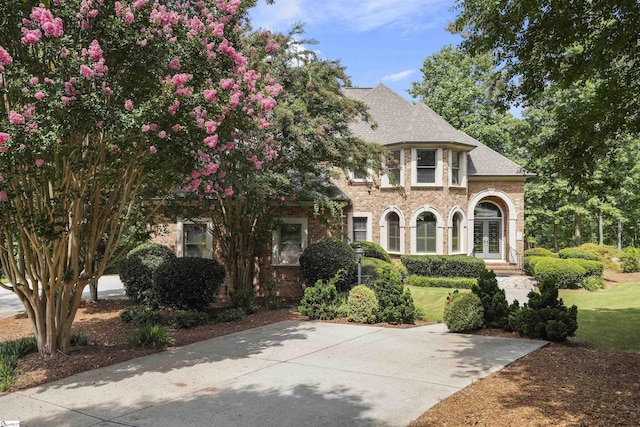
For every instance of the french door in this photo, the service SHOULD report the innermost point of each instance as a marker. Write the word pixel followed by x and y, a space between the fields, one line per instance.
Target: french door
pixel 487 238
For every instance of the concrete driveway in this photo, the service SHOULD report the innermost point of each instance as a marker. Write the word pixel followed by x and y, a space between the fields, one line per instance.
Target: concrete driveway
pixel 285 374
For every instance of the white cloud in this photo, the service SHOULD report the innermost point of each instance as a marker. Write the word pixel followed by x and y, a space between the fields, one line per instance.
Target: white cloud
pixel 351 15
pixel 398 76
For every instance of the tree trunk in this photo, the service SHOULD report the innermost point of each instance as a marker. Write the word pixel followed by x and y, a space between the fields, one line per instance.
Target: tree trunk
pixel 555 237
pixel 578 229
pixel 93 291
pixel 600 231
pixel 619 235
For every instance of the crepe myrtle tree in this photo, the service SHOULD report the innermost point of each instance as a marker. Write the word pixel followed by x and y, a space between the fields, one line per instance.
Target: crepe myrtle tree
pixel 106 107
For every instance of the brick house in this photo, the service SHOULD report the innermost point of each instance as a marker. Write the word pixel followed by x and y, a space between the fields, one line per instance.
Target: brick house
pixel 450 194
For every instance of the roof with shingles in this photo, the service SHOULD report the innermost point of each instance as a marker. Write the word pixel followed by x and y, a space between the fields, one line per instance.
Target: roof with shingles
pixel 400 121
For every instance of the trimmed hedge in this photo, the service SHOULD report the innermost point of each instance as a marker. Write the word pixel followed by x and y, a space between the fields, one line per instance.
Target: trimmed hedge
pixel 463 312
pixel 568 253
pixel 371 268
pixel 530 264
pixel 372 250
pixel 593 268
pixel 443 265
pixel 440 282
pixel 561 273
pixel 188 283
pixel 537 252
pixel 136 270
pixel 323 259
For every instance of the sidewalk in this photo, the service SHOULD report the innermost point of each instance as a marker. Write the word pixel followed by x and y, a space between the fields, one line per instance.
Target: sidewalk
pixel 285 374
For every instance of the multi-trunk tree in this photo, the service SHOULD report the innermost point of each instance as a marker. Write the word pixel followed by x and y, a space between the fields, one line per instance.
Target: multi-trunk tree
pixel 106 107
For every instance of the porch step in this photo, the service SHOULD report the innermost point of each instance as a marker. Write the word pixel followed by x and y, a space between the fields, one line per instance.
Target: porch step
pixel 504 269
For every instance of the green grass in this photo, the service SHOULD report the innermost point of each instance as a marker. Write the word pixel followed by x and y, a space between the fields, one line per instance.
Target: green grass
pixel 608 319
pixel 431 301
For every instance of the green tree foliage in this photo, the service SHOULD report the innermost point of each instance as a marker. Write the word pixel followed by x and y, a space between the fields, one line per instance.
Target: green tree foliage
pixel 585 45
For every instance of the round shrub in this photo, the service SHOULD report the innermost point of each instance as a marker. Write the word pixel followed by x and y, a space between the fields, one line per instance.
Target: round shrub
pixel 463 312
pixel 136 271
pixel 187 319
pixel 537 252
pixel 362 305
pixel 188 283
pixel 629 260
pixel 592 283
pixel 561 273
pixel 140 315
pixel 323 259
pixel 372 250
pixel 577 253
pixel 592 268
pixel 530 264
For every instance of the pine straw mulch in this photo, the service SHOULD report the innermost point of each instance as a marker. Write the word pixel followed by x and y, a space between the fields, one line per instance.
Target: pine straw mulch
pixel 559 385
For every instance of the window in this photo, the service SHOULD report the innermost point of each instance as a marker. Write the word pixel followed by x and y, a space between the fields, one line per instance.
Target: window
pixel 393 232
pixel 455 168
pixel 360 229
pixel 289 240
pixel 394 170
pixel 362 174
pixel 426 167
pixel 455 233
pixel 426 227
pixel 195 241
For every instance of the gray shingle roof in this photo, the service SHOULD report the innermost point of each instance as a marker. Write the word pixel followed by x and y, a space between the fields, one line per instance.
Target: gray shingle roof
pixel 400 121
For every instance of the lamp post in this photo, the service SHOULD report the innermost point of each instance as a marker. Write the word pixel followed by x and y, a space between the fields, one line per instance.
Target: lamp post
pixel 359 252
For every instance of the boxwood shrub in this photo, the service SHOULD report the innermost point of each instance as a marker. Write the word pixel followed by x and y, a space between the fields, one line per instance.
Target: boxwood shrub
pixel 443 265
pixel 372 250
pixel 188 283
pixel 537 252
pixel 593 268
pixel 440 282
pixel 362 305
pixel 321 301
pixel 577 253
pixel 530 262
pixel 629 260
pixel 562 273
pixel 463 312
pixel 136 270
pixel 323 259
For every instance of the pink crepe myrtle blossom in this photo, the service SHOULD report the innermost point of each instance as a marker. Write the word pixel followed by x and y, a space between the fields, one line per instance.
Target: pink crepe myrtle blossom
pixel 211 141
pixel 30 36
pixel 128 16
pixel 39 95
pixel 4 137
pixel 146 128
pixel 228 191
pixel 16 118
pixel 176 128
pixel 272 46
pixel 5 58
pixel 153 150
pixel 226 84
pixel 25 90
pixel 128 105
pixel 39 162
pixel 34 81
pixel 162 134
pixel 65 100
pixel 180 79
pixel 210 95
pixel 175 63
pixel 86 71
pixel 3 196
pixel 32 127
pixel 95 51
pixel 211 127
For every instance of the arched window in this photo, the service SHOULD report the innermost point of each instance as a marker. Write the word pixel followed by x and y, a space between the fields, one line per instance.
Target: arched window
pixel 393 232
pixel 487 210
pixel 426 227
pixel 455 232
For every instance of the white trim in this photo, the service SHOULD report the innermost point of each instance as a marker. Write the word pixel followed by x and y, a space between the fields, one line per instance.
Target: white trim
pixel 463 168
pixel 275 240
pixel 511 217
pixel 384 182
pixel 369 177
pixel 180 235
pixel 462 233
pixel 439 229
pixel 383 229
pixel 414 171
pixel 367 215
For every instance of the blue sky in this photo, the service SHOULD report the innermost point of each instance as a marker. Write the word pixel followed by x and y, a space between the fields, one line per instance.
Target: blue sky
pixel 379 41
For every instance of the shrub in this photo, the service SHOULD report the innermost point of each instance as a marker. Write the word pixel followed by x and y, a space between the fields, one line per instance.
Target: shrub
pixel 150 336
pixel 231 314
pixel 530 264
pixel 323 259
pixel 440 282
pixel 592 283
pixel 321 301
pixel 629 260
pixel 562 273
pixel 494 301
pixel 609 255
pixel 537 252
pixel 78 339
pixel 545 316
pixel 188 283
pixel 136 272
pixel 140 315
pixel 395 302
pixel 362 305
pixel 463 312
pixel 372 250
pixel 187 319
pixel 592 268
pixel 244 298
pixel 443 265
pixel 577 253
pixel 19 348
pixel 371 266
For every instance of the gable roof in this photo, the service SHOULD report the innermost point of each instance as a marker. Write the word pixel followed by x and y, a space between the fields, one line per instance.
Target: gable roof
pixel 400 121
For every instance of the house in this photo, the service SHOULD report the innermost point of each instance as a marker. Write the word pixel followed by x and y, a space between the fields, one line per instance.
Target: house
pixel 446 193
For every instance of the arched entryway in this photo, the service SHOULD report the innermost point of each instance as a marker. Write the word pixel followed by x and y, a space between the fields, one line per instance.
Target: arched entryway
pixel 488 231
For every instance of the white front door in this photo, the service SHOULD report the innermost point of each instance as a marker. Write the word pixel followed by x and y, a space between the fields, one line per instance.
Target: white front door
pixel 487 238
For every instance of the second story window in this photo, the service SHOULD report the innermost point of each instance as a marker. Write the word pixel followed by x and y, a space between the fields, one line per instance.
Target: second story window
pixel 426 167
pixel 455 168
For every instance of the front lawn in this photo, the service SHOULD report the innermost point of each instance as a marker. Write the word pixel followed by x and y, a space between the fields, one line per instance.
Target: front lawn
pixel 431 301
pixel 608 319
